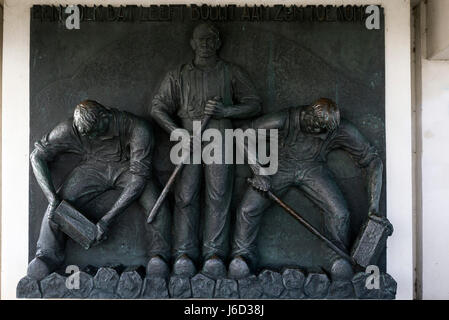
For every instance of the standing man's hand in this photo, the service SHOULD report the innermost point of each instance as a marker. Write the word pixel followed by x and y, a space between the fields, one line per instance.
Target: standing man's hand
pixel 216 108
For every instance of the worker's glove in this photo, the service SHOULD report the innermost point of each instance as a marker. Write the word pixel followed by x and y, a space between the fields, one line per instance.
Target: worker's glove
pixel 260 183
pixel 53 204
pixel 373 211
pixel 102 230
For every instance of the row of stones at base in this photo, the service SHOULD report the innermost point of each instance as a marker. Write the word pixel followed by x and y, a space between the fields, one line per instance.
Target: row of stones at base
pixel 290 284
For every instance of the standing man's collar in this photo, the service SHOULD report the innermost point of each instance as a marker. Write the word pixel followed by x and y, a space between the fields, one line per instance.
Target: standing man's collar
pixel 191 65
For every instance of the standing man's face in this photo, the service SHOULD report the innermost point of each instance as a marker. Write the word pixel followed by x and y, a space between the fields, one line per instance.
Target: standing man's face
pixel 204 42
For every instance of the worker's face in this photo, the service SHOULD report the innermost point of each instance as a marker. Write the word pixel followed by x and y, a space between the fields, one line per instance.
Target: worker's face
pixel 204 43
pixel 312 122
pixel 96 130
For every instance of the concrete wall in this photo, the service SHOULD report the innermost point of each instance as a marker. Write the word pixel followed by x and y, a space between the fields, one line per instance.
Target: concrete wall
pixel 1 77
pixel 432 93
pixel 438 29
pixel 16 134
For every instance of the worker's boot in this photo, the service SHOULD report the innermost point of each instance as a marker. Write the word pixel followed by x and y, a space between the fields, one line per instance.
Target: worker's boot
pixel 157 268
pixel 38 269
pixel 238 268
pixel 341 270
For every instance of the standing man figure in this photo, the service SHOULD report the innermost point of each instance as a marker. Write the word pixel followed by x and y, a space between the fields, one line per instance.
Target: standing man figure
pixel 206 86
pixel 308 134
pixel 117 149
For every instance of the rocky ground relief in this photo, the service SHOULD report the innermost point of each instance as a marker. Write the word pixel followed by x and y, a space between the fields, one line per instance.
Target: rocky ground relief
pixel 112 283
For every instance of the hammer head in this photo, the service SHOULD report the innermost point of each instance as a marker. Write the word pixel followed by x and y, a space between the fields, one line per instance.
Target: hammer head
pixel 371 241
pixel 75 224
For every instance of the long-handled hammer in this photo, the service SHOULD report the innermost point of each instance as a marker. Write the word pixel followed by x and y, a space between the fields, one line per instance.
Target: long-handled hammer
pixel 172 178
pixel 311 228
pixel 367 247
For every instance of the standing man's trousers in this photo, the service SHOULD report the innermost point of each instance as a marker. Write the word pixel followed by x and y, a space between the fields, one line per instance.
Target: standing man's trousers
pixel 88 181
pixel 217 181
pixel 316 182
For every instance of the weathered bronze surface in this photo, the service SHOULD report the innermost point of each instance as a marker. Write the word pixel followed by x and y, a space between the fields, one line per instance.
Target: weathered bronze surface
pixel 116 148
pixel 308 134
pixel 171 180
pixel 166 68
pixel 207 87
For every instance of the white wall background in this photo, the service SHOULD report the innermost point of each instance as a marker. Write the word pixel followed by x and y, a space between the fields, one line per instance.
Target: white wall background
pixel 16 133
pixel 433 101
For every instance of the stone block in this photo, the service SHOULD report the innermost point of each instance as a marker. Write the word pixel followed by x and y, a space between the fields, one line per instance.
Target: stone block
pixel 106 280
pixel 129 285
pixel 54 286
pixel 28 288
pixel 179 287
pixel 226 289
pixel 272 284
pixel 86 284
pixel 316 285
pixel 293 280
pixel 341 290
pixel 155 288
pixel 250 288
pixel 202 286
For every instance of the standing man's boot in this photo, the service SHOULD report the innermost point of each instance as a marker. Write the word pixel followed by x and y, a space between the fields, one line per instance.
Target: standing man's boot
pixel 184 267
pixel 214 268
pixel 238 268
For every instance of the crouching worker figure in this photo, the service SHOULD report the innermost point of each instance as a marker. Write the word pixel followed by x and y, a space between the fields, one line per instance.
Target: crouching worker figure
pixel 116 148
pixel 307 134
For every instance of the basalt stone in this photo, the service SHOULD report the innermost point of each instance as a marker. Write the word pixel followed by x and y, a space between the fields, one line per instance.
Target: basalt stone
pixel 316 285
pixel 54 286
pixel 28 288
pixel 106 280
pixel 250 288
pixel 155 288
pixel 129 285
pixel 361 289
pixel 293 294
pixel 341 290
pixel 226 289
pixel 389 286
pixel 86 284
pixel 202 286
pixel 271 283
pixel 179 287
pixel 100 294
pixel 293 280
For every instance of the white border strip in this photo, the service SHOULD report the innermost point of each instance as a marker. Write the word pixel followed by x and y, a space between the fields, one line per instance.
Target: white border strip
pixel 16 48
